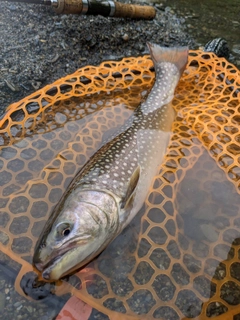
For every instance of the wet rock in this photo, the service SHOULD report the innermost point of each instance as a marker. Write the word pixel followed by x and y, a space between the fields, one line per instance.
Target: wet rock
pixel 2 302
pixel 36 289
pixel 209 232
pixel 4 238
pixel 236 49
pixel 125 37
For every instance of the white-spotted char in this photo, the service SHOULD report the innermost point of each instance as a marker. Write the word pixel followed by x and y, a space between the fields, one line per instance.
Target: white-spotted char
pixel 111 188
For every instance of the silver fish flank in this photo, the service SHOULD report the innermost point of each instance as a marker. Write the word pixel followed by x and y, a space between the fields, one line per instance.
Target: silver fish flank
pixel 110 189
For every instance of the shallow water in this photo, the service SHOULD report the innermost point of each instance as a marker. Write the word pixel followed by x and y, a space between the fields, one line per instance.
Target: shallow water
pixel 180 254
pixel 166 261
pixel 209 19
pixel 41 155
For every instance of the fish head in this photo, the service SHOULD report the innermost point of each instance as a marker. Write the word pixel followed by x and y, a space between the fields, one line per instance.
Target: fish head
pixel 80 227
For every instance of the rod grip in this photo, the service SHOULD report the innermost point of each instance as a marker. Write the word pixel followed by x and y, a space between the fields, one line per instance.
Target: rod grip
pixel 105 8
pixel 134 11
pixel 69 6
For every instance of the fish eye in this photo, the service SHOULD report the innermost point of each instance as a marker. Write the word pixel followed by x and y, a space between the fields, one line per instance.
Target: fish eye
pixel 63 230
pixel 66 232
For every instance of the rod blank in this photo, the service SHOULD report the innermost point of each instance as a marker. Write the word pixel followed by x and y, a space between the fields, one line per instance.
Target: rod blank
pixel 45 2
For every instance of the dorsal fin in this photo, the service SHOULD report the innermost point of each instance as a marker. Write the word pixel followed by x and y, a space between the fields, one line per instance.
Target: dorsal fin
pixel 175 55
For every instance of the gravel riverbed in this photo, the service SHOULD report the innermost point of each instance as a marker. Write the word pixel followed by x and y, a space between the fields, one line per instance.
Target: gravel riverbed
pixel 37 46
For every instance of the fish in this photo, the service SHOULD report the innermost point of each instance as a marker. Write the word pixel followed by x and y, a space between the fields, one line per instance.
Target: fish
pixel 109 190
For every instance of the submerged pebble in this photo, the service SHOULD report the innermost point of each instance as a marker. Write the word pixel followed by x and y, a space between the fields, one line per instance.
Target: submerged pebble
pixel 2 301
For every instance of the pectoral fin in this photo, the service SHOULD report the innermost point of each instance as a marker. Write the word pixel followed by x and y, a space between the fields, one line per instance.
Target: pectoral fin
pixel 129 197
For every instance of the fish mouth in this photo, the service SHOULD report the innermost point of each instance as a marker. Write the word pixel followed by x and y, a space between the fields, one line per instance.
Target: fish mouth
pixel 48 268
pixel 62 253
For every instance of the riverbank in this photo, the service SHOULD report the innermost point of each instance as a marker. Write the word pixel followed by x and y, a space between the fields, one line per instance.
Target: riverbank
pixel 38 46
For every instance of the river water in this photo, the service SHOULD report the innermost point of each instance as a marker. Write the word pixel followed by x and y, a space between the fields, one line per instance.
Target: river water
pixel 209 19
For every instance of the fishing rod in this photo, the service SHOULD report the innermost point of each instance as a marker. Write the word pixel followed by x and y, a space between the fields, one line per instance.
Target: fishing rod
pixel 105 8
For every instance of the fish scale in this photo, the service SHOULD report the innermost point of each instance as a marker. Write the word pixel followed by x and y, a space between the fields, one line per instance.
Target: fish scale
pixel 115 166
pixel 125 150
pixel 110 189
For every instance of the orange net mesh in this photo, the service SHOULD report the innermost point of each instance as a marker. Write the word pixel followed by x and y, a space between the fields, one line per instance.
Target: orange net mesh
pixel 179 258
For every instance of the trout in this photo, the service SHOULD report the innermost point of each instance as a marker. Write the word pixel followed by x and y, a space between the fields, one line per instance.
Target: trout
pixel 112 186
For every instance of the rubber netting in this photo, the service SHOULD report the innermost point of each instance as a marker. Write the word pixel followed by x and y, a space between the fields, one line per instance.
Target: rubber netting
pixel 179 258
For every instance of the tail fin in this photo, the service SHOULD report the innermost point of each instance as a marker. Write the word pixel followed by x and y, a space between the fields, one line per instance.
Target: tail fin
pixel 175 55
